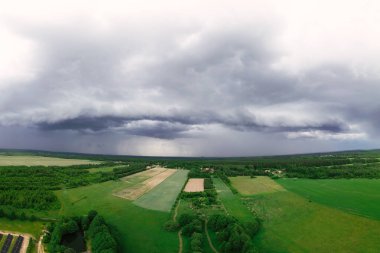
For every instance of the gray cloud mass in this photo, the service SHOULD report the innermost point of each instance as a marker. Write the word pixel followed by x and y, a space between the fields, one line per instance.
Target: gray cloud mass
pixel 181 88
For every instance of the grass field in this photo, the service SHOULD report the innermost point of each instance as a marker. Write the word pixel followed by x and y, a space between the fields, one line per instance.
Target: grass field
pixel 231 202
pixel 103 169
pixel 163 196
pixel 293 224
pixel 20 160
pixel 140 230
pixel 246 185
pixel 358 196
pixel 27 227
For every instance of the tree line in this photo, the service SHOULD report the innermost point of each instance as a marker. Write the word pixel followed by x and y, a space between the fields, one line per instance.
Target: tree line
pixel 92 225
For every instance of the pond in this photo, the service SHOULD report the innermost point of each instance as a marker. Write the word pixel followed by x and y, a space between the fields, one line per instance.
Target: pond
pixel 75 241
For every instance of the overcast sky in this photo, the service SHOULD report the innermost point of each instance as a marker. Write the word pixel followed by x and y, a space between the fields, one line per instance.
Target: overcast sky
pixel 190 78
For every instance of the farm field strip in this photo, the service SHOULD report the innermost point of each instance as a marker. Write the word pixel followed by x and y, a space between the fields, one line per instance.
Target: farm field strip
pixel 163 196
pixel 231 202
pixel 41 161
pixel 357 196
pixel 135 191
pixel 292 224
pixel 143 175
pixel 246 185
pixel 195 185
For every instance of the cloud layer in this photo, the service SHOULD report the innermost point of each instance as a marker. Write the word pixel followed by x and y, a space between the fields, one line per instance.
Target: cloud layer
pixel 210 78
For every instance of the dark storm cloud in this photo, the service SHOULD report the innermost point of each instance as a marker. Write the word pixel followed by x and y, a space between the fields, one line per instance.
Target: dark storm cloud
pixel 181 84
pixel 172 127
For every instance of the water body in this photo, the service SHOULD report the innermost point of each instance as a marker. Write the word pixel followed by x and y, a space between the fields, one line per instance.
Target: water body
pixel 75 241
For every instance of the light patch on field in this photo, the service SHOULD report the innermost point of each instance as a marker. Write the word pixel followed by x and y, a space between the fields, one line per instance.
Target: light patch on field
pixel 139 189
pixel 250 186
pixel 17 160
pixel 144 175
pixel 195 185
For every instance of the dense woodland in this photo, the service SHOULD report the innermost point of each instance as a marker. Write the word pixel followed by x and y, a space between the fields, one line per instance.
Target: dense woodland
pixel 32 187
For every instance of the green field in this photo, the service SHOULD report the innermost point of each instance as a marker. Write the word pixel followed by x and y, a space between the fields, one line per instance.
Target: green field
pixel 358 196
pixel 246 185
pixel 292 224
pixel 140 230
pixel 20 160
pixel 163 196
pixel 26 227
pixel 231 202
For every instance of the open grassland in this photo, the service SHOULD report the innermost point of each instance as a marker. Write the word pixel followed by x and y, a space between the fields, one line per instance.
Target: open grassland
pixel 195 185
pixel 163 196
pixel 24 227
pixel 231 202
pixel 20 160
pixel 246 185
pixel 141 188
pixel 358 196
pixel 140 230
pixel 293 224
pixel 104 169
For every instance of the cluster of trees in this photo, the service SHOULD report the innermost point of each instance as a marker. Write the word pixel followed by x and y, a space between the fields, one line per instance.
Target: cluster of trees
pixel 313 167
pixel 12 215
pixel 198 173
pixel 233 235
pixel 196 242
pixel 101 239
pixel 94 227
pixel 192 226
pixel 39 199
pixel 190 223
pixel 201 199
pixel 129 169
pixel 346 171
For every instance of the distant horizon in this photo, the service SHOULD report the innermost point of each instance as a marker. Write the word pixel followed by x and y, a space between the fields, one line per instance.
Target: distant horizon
pixel 206 157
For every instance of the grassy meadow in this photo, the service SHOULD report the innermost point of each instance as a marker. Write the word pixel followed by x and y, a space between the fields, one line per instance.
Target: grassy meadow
pixel 292 223
pixel 140 230
pixel 33 228
pixel 246 185
pixel 231 202
pixel 358 196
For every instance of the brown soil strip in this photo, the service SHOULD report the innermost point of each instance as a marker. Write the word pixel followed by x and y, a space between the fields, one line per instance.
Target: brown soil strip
pixel 195 185
pixel 180 241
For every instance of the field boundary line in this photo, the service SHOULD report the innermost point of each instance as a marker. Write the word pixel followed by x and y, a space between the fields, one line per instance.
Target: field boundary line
pixel 209 239
pixel 176 210
pixel 180 241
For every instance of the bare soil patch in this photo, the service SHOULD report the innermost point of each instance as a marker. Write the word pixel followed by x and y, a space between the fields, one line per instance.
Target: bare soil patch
pixel 134 192
pixel 195 185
